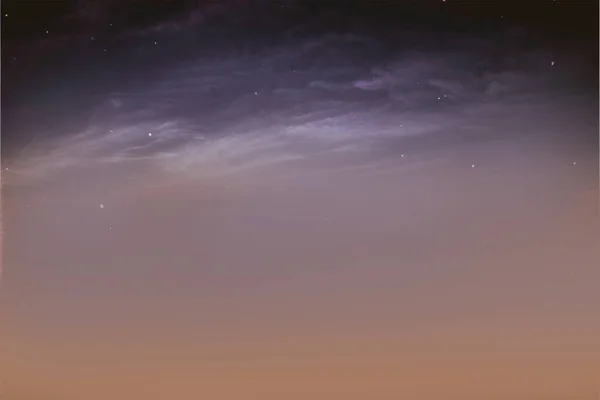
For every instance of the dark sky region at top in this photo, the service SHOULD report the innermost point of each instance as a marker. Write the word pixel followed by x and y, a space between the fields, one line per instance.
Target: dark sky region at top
pixel 299 200
pixel 66 63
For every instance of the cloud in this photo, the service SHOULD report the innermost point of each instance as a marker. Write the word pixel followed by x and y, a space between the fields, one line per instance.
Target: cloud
pixel 231 113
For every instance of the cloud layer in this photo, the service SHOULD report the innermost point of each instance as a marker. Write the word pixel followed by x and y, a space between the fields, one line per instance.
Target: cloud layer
pixel 336 95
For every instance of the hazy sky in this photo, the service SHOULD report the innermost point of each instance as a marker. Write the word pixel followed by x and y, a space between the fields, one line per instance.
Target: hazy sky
pixel 292 201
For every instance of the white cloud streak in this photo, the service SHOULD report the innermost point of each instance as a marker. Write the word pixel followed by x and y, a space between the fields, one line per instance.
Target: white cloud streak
pixel 232 114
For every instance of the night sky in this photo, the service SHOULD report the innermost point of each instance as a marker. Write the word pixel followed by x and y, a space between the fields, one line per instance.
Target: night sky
pixel 300 200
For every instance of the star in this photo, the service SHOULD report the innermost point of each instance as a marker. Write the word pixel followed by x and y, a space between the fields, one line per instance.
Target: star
pixel 150 134
pixel 472 165
pixel 256 93
pixel 101 206
pixel 552 63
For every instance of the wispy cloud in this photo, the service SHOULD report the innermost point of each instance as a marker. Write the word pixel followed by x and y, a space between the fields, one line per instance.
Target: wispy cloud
pixel 235 112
